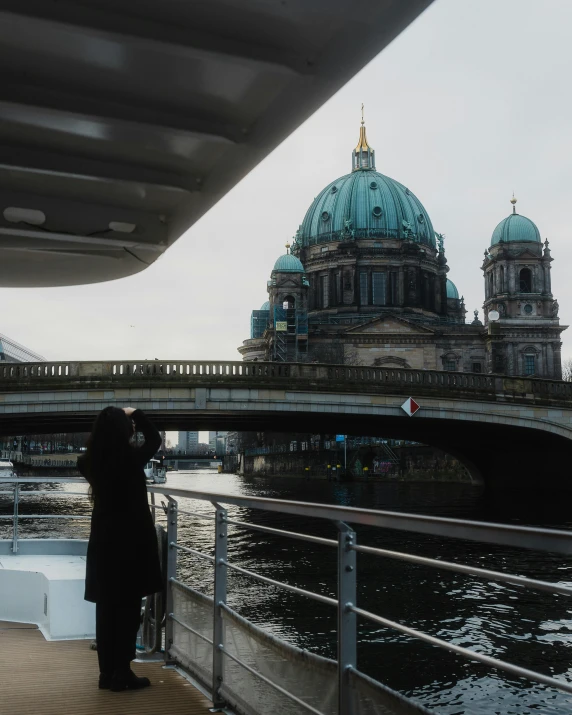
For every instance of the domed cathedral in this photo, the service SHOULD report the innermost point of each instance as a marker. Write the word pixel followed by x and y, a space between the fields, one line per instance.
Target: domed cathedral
pixel 365 283
pixel 521 313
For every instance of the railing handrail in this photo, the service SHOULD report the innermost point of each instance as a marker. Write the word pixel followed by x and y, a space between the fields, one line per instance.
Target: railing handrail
pixel 541 539
pixel 557 540
pixel 225 371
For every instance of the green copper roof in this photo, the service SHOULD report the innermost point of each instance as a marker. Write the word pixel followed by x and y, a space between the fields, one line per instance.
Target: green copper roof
pixel 288 264
pixel 265 306
pixel 515 228
pixel 365 204
pixel 452 291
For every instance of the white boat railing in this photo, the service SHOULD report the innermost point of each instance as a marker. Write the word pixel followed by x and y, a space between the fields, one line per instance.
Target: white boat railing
pixel 188 630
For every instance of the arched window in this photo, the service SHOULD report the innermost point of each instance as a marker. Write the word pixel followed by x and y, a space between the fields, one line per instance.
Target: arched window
pixel 491 285
pixel 501 279
pixel 525 280
pixel 288 302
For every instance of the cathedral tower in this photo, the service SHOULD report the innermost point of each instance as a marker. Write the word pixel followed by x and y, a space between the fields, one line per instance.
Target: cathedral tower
pixel 525 338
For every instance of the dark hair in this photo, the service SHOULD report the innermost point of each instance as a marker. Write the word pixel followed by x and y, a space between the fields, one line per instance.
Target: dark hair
pixel 108 444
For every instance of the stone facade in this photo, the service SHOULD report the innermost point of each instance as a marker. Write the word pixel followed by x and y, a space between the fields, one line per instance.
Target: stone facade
pixel 366 284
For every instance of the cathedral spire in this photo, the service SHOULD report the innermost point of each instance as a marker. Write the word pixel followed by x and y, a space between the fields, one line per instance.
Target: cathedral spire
pixel 363 156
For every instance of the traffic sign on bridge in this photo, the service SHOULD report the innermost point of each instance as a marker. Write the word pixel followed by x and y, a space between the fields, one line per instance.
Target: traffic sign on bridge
pixel 410 407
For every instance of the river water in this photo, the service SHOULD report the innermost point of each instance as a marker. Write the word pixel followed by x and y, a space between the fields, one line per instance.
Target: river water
pixel 531 629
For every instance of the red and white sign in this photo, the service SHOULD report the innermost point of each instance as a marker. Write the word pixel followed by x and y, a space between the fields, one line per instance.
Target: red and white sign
pixel 410 407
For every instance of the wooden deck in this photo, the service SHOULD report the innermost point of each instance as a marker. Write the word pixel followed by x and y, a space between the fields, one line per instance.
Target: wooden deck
pixel 55 677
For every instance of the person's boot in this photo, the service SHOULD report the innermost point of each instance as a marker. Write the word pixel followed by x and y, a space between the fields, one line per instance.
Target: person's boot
pixel 127 680
pixel 104 681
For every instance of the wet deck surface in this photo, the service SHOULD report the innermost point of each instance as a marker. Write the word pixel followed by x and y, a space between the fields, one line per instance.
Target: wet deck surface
pixel 55 677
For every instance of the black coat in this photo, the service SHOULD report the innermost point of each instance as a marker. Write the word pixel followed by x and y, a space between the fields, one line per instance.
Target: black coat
pixel 122 555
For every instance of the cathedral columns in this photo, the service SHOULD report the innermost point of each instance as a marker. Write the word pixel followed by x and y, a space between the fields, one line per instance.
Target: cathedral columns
pixel 549 360
pixel 547 286
pixel 540 372
pixel 510 359
pixel 511 278
pixel 401 287
pixel 557 361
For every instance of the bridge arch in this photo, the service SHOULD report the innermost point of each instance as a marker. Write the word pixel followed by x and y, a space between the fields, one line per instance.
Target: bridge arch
pixel 503 429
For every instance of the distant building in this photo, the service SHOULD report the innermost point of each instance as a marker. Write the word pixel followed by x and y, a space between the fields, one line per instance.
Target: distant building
pixel 212 441
pixel 188 442
pixel 11 351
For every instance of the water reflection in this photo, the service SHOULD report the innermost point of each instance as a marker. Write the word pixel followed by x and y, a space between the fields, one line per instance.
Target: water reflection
pixel 505 621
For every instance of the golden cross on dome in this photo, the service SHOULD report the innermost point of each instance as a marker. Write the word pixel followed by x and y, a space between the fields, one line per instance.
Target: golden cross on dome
pixel 513 202
pixel 362 119
pixel 287 246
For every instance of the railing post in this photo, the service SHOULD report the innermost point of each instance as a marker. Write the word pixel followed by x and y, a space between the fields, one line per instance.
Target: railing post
pixel 220 577
pixel 15 519
pixel 347 631
pixel 172 519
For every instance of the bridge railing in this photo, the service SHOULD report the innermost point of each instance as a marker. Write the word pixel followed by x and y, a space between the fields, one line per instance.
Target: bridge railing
pixel 290 373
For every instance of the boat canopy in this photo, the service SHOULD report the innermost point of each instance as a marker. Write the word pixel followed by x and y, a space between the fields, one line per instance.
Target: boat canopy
pixel 122 122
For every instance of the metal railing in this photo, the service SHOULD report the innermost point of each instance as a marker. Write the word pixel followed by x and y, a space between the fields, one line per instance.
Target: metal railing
pixel 18 494
pixel 227 373
pixel 347 546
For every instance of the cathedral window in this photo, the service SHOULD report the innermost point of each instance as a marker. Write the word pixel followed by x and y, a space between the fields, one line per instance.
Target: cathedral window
pixel 379 288
pixel 450 364
pixel 525 281
pixel 363 288
pixel 530 364
pixel 477 367
pixel 501 279
pixel 491 285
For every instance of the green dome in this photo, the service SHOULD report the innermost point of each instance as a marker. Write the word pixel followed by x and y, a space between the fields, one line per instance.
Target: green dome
pixel 452 291
pixel 365 204
pixel 265 306
pixel 288 264
pixel 516 228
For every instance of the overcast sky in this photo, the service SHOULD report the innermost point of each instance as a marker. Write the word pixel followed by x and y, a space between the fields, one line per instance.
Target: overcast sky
pixel 470 103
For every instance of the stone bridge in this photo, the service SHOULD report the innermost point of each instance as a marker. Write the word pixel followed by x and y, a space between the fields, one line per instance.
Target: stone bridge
pixel 506 430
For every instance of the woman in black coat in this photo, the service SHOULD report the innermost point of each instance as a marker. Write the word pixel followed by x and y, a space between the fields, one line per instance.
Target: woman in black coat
pixel 122 555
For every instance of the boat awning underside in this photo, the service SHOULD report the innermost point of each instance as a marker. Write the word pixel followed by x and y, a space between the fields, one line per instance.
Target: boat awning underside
pixel 123 121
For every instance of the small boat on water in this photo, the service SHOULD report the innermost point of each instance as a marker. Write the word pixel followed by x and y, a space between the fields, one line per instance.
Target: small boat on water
pixel 154 472
pixel 6 469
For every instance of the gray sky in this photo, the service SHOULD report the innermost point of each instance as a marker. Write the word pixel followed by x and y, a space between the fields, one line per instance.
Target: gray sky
pixel 469 103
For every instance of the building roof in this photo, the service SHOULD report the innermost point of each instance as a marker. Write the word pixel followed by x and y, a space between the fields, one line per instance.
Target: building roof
pixel 365 204
pixel 265 306
pixel 288 264
pixel 11 351
pixel 452 291
pixel 516 229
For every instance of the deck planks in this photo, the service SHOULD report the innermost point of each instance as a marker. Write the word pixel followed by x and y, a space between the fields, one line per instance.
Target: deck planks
pixel 55 677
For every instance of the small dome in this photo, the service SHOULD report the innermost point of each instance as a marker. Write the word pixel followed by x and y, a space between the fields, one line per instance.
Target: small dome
pixel 265 306
pixel 288 264
pixel 452 291
pixel 516 228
